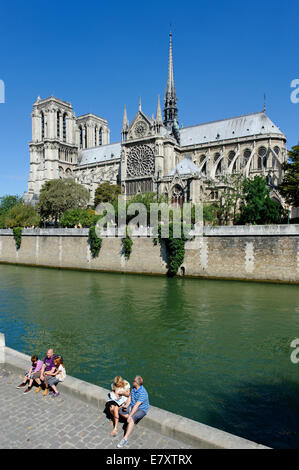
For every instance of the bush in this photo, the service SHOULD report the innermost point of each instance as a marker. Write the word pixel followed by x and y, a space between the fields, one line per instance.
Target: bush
pixel 127 246
pixel 175 248
pixel 83 217
pixel 17 233
pixel 94 241
pixel 21 215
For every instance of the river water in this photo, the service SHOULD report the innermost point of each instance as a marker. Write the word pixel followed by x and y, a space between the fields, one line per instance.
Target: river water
pixel 214 351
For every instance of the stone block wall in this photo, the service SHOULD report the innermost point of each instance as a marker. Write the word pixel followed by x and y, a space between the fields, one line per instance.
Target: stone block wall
pixel 252 253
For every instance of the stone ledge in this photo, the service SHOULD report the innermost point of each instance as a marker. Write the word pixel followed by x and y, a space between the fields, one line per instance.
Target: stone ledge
pixel 169 424
pixel 216 231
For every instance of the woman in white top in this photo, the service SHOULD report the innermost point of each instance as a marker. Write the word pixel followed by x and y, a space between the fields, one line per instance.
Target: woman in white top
pixel 117 397
pixel 57 376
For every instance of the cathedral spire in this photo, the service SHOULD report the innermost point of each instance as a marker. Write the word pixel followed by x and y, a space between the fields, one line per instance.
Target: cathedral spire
pixel 125 119
pixel 125 128
pixel 158 112
pixel 170 100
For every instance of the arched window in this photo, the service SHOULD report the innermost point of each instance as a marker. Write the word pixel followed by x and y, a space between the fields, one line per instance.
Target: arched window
pixel 218 169
pixel 100 137
pixel 177 196
pixel 246 156
pixel 231 156
pixel 204 169
pixel 43 125
pixel 216 156
pixel 95 136
pixel 81 137
pixel 85 143
pixel 58 124
pixel 262 158
pixel 64 127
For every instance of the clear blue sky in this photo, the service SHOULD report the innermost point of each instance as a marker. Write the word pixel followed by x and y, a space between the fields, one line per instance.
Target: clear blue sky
pixel 101 55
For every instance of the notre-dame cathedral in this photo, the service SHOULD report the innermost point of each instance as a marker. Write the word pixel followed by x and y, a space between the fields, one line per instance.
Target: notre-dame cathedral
pixel 154 154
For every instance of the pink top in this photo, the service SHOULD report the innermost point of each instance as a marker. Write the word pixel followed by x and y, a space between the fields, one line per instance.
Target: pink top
pixel 38 367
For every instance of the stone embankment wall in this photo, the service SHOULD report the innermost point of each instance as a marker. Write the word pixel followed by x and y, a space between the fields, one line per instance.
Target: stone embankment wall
pixel 265 253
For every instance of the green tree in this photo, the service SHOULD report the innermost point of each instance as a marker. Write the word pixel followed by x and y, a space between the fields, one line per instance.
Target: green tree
pixel 8 201
pixel 289 187
pixel 84 217
pixel 106 192
pixel 210 213
pixel 146 199
pixel 230 190
pixel 60 195
pixel 256 206
pixel 21 215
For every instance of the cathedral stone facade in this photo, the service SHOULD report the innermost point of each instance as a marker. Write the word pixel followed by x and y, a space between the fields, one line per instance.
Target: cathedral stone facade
pixel 155 154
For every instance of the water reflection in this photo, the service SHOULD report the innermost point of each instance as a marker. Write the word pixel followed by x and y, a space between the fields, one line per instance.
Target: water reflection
pixel 222 348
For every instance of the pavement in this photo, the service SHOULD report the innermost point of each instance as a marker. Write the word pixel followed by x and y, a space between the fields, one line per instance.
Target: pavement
pixel 32 421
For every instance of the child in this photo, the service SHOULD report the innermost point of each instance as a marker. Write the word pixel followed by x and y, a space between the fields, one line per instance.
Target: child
pixel 36 365
pixel 118 396
pixel 57 376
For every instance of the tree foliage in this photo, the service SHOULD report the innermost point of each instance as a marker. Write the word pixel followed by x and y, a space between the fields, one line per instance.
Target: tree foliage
pixel 106 192
pixel 7 202
pixel 83 217
pixel 20 215
pixel 58 196
pixel 230 189
pixel 256 206
pixel 289 187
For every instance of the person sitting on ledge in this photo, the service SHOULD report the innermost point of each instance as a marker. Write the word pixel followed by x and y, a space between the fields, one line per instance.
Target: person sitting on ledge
pixel 43 375
pixel 117 398
pixel 36 365
pixel 57 376
pixel 135 408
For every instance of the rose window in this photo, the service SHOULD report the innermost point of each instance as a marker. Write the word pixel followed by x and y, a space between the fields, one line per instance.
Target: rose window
pixel 141 161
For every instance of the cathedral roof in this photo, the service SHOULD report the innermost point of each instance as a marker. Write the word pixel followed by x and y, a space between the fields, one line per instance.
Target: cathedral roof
pixel 99 154
pixel 186 167
pixel 233 128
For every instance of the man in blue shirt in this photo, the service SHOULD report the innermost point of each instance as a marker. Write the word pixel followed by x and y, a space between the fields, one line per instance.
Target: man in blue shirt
pixel 135 408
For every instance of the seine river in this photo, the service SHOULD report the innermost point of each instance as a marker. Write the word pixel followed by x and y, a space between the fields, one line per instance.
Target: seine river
pixel 214 351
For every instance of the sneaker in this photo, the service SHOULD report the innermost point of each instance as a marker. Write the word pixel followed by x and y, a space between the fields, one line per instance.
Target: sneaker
pixel 28 389
pixel 38 390
pixel 46 392
pixel 22 385
pixel 122 443
pixel 55 394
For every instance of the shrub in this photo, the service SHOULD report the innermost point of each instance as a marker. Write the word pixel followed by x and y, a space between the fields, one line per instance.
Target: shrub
pixel 84 217
pixel 127 246
pixel 20 215
pixel 94 241
pixel 175 248
pixel 17 233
